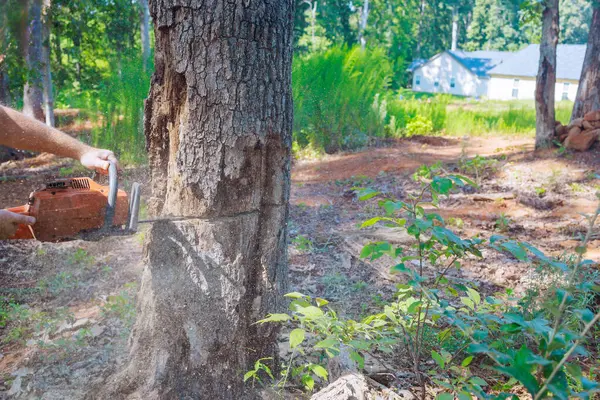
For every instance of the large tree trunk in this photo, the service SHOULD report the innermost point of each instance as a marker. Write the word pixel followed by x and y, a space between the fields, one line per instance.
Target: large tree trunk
pixel 145 32
pixel 588 92
pixel 33 93
pixel 47 70
pixel 546 78
pixel 218 126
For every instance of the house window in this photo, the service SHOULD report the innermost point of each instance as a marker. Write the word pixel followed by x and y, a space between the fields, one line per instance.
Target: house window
pixel 565 92
pixel 418 80
pixel 515 90
pixel 452 82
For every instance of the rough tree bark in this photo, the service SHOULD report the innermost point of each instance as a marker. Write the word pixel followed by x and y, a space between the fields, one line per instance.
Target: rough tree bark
pixel 46 68
pixel 218 126
pixel 546 77
pixel 588 92
pixel 33 91
pixel 145 32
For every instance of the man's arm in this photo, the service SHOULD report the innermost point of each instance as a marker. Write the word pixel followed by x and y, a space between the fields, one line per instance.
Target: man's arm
pixel 21 132
pixel 25 133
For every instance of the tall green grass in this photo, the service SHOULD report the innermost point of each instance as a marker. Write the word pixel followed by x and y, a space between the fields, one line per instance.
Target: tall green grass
pixel 116 108
pixel 120 104
pixel 336 97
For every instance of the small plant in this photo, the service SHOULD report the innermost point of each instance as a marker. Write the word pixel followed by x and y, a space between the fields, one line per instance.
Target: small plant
pixel 447 328
pixel 478 167
pixel 303 243
pixel 502 223
pixel 419 125
pixel 81 258
pixel 122 305
pixel 576 187
pixel 259 366
pixel 540 191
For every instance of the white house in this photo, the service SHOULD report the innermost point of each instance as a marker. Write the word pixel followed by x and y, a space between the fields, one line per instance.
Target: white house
pixel 496 75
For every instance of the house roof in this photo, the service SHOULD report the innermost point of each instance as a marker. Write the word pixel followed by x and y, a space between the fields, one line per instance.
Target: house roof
pixel 416 63
pixel 479 62
pixel 569 62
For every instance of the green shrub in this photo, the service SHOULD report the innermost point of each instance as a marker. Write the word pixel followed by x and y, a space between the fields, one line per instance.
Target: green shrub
pixel 335 97
pixel 419 125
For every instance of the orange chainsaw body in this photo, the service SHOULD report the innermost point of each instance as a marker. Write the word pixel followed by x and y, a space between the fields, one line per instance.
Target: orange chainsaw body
pixel 67 207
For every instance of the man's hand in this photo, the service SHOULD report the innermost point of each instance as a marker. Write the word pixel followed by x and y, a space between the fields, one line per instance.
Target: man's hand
pixel 98 159
pixel 9 221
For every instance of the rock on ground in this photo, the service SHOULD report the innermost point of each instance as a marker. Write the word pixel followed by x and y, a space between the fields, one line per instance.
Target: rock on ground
pixel 355 386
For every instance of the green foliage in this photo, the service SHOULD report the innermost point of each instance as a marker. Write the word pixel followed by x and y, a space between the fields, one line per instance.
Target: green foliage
pixel 120 102
pixel 532 342
pixel 479 167
pixel 335 97
pixel 419 125
pixel 122 305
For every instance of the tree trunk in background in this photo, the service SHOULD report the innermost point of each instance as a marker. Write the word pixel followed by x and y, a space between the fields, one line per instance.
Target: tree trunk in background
pixel 218 125
pixel 546 78
pixel 47 70
pixel 454 45
pixel 364 18
pixel 4 88
pixel 588 92
pixel 33 95
pixel 420 29
pixel 145 32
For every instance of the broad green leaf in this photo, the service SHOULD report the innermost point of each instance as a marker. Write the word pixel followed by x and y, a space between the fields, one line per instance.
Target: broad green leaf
pixel 319 371
pixel 474 295
pixel 370 222
pixel 321 302
pixel 294 295
pixel 475 380
pixel 308 382
pixel 515 249
pixel 523 376
pixel 445 396
pixel 356 357
pixel 311 312
pixel 438 359
pixel 328 343
pixel 249 375
pixel 464 396
pixel 468 302
pixel 296 337
pixel 366 194
pixel 274 318
pixel 467 361
pixel 585 314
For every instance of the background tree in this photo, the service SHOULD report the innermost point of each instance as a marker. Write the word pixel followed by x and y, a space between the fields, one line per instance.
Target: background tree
pixel 218 127
pixel 46 68
pixel 33 95
pixel 145 31
pixel 546 77
pixel 588 92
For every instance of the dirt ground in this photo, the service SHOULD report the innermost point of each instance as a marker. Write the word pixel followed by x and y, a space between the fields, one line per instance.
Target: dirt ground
pixel 68 307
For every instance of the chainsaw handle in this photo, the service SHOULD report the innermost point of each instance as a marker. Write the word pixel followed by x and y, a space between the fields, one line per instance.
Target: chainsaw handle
pixel 113 186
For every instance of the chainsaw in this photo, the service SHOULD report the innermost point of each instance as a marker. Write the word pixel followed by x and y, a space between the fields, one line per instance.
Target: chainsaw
pixel 80 208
